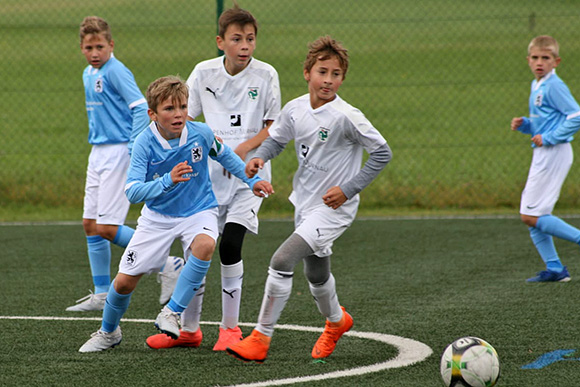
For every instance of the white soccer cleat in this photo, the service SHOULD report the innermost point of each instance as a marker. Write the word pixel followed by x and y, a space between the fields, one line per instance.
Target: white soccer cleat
pixel 90 302
pixel 101 340
pixel 168 277
pixel 167 322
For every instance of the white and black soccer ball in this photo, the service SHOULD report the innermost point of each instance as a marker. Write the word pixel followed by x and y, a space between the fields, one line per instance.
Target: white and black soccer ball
pixel 470 362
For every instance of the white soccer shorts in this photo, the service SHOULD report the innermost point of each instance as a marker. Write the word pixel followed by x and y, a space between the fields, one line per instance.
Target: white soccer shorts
pixel 105 198
pixel 550 166
pixel 321 226
pixel 242 209
pixel 149 247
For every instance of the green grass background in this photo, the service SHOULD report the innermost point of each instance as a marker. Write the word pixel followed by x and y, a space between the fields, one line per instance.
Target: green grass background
pixel 440 79
pixel 431 280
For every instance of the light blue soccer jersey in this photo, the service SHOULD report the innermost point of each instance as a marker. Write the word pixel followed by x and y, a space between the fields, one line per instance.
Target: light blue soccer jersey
pixel 116 108
pixel 554 113
pixel 153 158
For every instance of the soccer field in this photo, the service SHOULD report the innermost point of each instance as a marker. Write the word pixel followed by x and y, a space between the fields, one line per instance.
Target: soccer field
pixel 426 280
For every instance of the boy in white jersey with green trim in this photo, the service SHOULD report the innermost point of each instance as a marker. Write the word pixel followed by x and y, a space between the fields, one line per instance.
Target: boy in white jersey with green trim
pixel 330 136
pixel 169 172
pixel 117 113
pixel 554 119
pixel 239 96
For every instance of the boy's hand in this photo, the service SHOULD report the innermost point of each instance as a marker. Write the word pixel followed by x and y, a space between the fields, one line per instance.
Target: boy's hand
pixel 179 170
pixel 253 166
pixel 263 189
pixel 334 197
pixel 537 139
pixel 517 122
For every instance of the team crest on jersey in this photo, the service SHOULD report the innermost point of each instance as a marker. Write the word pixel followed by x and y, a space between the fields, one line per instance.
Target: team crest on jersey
pixel 131 257
pixel 538 100
pixel 323 134
pixel 253 93
pixel 99 85
pixel 196 154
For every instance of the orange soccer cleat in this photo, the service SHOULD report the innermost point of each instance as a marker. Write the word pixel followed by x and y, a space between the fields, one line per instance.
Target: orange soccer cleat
pixel 326 343
pixel 228 337
pixel 185 339
pixel 252 348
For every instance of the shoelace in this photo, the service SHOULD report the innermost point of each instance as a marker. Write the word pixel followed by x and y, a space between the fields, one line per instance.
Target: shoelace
pixel 86 297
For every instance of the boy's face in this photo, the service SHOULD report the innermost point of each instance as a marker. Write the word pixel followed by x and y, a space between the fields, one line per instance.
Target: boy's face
pixel 97 49
pixel 542 61
pixel 171 117
pixel 238 45
pixel 324 79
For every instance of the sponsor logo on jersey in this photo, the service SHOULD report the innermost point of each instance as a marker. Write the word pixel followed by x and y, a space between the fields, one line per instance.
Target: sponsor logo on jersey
pixel 235 120
pixel 323 134
pixel 99 85
pixel 304 150
pixel 538 100
pixel 196 154
pixel 253 93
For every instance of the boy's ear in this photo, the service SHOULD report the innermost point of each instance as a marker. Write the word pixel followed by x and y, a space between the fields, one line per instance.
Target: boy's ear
pixel 307 75
pixel 112 43
pixel 219 41
pixel 558 59
pixel 152 114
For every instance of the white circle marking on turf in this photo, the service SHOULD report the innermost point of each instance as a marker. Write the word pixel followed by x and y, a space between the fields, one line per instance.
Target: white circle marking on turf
pixel 410 351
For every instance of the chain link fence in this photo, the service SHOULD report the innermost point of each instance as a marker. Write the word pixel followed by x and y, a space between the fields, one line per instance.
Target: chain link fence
pixel 441 79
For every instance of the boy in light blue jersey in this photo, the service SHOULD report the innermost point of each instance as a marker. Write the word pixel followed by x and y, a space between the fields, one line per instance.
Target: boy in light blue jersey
pixel 117 113
pixel 554 118
pixel 169 172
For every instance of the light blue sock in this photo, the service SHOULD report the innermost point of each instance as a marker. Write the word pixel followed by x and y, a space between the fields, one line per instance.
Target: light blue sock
pixel 100 259
pixel 545 245
pixel 555 226
pixel 123 236
pixel 188 283
pixel 115 307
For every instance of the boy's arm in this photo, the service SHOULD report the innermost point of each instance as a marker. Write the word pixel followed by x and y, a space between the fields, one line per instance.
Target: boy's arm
pixel 137 189
pixel 564 102
pixel 254 142
pixel 377 160
pixel 224 155
pixel 140 121
pixel 524 126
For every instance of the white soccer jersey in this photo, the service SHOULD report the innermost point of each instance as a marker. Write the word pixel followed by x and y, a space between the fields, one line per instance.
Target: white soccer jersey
pixel 329 144
pixel 235 108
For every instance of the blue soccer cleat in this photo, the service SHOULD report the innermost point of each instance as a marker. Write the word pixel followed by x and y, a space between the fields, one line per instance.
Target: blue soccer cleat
pixel 551 276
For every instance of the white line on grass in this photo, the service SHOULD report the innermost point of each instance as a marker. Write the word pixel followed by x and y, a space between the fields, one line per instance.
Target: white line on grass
pixel 410 351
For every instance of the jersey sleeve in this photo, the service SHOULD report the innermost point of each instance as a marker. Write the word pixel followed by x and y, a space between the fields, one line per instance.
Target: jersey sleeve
pixel 274 98
pixel 137 189
pixel 562 100
pixel 282 129
pixel 194 108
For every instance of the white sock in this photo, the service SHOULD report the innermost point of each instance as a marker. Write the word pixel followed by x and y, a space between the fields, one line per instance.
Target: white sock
pixel 327 300
pixel 232 278
pixel 276 294
pixel 191 316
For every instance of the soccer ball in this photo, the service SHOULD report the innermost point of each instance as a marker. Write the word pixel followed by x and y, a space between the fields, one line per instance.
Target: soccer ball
pixel 470 362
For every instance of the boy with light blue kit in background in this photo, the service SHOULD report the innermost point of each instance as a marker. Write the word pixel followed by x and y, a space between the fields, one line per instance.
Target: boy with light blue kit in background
pixel 117 113
pixel 554 118
pixel 169 172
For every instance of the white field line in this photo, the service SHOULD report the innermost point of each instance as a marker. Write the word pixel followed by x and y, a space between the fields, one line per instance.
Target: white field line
pixel 410 351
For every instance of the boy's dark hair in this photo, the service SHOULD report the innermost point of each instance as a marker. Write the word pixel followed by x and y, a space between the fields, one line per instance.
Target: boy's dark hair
pixel 325 48
pixel 164 88
pixel 235 15
pixel 95 25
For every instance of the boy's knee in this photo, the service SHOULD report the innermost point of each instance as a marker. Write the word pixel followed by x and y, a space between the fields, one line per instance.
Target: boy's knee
pixel 530 221
pixel 203 247
pixel 107 231
pixel 125 284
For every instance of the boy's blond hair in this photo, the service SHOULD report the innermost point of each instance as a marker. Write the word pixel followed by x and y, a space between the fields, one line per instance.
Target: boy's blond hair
pixel 95 25
pixel 235 15
pixel 325 48
pixel 545 42
pixel 165 88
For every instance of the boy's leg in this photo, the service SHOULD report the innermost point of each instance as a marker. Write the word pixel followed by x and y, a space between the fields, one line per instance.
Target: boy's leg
pixel 116 305
pixel 545 245
pixel 552 225
pixel 323 288
pixel 277 292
